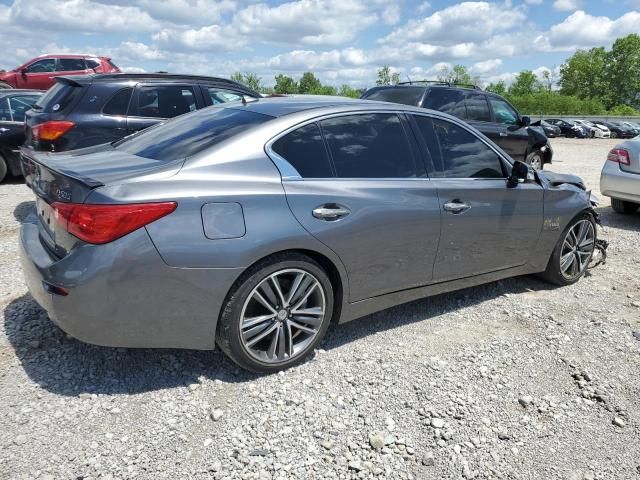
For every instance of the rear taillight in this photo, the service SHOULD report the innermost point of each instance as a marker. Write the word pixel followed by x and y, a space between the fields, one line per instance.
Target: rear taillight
pixel 52 130
pixel 99 223
pixel 619 155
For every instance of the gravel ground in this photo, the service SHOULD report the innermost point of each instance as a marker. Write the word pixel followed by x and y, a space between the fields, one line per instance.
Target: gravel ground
pixel 515 379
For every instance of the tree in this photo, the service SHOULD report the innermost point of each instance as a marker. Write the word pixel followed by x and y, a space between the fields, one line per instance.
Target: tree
pixel 500 88
pixel 584 74
pixel 285 84
pixel 624 110
pixel 309 83
pixel 250 80
pixel 386 77
pixel 458 74
pixel 347 91
pixel 525 83
pixel 549 79
pixel 623 72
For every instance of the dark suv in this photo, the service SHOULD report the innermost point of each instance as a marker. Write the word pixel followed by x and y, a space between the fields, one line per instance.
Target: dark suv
pixel 488 112
pixel 82 111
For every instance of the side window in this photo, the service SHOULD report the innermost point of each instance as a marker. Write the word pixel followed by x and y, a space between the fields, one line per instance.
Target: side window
pixel 5 112
pixel 459 153
pixel 477 107
pixel 222 96
pixel 304 149
pixel 19 106
pixel 70 64
pixel 119 103
pixel 42 66
pixel 165 101
pixel 503 112
pixel 369 146
pixel 446 100
pixel 92 63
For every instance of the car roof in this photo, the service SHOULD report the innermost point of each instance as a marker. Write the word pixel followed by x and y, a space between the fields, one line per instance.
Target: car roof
pixel 279 106
pixel 11 91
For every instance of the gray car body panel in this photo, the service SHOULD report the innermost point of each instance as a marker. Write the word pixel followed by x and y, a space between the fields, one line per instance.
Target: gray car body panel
pixel 164 285
pixel 623 181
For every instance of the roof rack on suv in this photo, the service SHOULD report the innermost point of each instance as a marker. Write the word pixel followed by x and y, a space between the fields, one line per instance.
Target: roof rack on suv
pixel 441 82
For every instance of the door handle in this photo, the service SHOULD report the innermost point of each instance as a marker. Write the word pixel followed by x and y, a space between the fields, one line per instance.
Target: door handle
pixel 330 212
pixel 2 130
pixel 456 206
pixel 503 134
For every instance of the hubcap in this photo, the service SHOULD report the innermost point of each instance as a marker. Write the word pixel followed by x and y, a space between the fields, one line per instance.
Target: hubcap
pixel 282 315
pixel 577 249
pixel 536 162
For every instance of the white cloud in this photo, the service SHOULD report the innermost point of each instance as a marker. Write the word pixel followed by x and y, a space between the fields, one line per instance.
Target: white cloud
pixel 391 14
pixel 424 7
pixel 566 5
pixel 486 66
pixel 581 30
pixel 533 2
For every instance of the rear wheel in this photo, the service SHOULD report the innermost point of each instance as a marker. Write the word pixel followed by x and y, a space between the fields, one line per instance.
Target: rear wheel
pixel 279 311
pixel 614 135
pixel 573 252
pixel 4 168
pixel 622 206
pixel 535 160
pixel 5 85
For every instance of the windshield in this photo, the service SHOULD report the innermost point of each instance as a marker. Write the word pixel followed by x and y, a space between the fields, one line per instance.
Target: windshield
pixel 190 134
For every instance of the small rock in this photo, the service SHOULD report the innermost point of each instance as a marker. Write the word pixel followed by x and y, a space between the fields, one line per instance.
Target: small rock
pixel 376 440
pixel 216 414
pixel 437 422
pixel 20 440
pixel 428 459
pixel 355 465
pixel 618 422
pixel 525 400
pixel 259 452
pixel 208 442
pixel 328 444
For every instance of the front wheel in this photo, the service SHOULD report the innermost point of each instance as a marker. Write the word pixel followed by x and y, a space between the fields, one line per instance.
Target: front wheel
pixel 535 160
pixel 573 252
pixel 279 311
pixel 5 85
pixel 614 135
pixel 4 168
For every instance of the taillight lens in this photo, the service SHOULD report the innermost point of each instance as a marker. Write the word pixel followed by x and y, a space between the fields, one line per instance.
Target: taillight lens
pixel 52 130
pixel 619 155
pixel 99 223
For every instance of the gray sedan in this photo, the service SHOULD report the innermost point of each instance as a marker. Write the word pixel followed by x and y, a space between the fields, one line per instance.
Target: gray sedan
pixel 254 225
pixel 620 176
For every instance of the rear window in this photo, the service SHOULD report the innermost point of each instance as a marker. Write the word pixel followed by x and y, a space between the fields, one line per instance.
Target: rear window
pixel 446 100
pixel 403 95
pixel 190 134
pixel 58 98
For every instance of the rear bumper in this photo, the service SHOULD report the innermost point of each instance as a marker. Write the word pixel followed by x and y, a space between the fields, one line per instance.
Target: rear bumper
pixel 123 295
pixel 616 183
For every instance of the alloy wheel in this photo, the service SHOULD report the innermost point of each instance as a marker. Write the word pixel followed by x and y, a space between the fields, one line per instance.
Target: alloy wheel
pixel 577 249
pixel 282 315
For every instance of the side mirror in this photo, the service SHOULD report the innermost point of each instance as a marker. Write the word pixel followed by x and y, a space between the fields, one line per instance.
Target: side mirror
pixel 23 72
pixel 525 121
pixel 519 174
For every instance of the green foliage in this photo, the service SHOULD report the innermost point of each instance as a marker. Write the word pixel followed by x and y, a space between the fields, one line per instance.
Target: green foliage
pixel 554 103
pixel 251 80
pixel 309 84
pixel 525 83
pixel 285 85
pixel 385 77
pixel 583 75
pixel 347 91
pixel 500 88
pixel 458 74
pixel 624 111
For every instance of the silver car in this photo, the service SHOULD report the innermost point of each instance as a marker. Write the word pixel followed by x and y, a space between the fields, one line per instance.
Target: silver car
pixel 620 176
pixel 254 225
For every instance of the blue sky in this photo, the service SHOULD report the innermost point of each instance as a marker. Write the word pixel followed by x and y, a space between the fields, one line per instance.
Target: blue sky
pixel 343 41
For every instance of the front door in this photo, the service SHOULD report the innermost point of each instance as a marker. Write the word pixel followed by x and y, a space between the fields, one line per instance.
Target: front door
pixel 486 225
pixel 39 75
pixel 363 192
pixel 513 137
pixel 152 104
pixel 12 113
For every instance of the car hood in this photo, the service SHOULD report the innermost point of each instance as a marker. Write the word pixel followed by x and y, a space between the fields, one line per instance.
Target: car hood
pixel 553 179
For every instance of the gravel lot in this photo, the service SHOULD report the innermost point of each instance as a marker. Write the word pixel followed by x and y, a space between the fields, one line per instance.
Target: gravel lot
pixel 515 379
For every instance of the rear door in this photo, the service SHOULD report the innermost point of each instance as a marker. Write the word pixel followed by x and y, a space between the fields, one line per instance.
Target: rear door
pixel 514 138
pixel 479 115
pixel 217 95
pixel 486 226
pixel 357 184
pixel 72 66
pixel 153 103
pixel 39 75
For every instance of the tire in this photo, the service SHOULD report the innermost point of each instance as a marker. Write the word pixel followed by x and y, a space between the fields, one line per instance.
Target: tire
pixel 5 85
pixel 622 206
pixel 265 345
pixel 555 273
pixel 614 135
pixel 536 160
pixel 4 168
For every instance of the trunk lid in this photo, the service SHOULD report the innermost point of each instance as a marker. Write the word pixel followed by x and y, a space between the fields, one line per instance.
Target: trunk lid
pixel 70 177
pixel 633 147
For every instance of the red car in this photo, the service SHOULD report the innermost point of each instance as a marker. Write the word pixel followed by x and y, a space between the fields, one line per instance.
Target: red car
pixel 39 72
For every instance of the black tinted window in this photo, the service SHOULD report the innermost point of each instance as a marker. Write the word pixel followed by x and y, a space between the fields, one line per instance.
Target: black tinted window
pixel 369 146
pixel 222 96
pixel 92 63
pixel 70 64
pixel 459 153
pixel 58 97
pixel 446 100
pixel 5 112
pixel 19 105
pixel 188 135
pixel 503 112
pixel 119 103
pixel 303 148
pixel 165 101
pixel 41 66
pixel 477 107
pixel 404 95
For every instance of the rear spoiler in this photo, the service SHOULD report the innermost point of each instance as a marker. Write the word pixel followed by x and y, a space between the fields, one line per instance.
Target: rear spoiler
pixel 30 157
pixel 73 81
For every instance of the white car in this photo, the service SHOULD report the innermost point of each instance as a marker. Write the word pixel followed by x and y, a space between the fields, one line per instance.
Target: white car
pixel 597 130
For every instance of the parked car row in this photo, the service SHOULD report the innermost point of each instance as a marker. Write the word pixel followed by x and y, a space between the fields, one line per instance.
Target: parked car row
pixel 574 128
